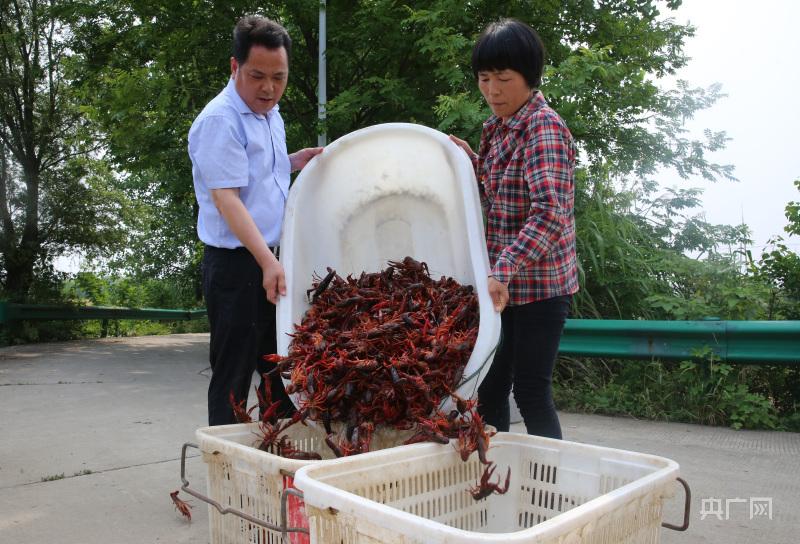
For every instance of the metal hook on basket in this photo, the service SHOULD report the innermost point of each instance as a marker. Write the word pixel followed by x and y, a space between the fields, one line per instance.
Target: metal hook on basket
pixel 284 499
pixel 283 528
pixel 686 505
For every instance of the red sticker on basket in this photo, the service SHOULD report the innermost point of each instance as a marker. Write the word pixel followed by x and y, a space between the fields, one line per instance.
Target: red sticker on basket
pixel 295 514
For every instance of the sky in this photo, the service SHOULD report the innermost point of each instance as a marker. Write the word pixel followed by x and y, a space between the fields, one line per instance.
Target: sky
pixel 751 49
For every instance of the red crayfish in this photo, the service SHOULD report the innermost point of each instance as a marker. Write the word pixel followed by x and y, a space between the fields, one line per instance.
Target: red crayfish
pixel 182 506
pixel 486 487
pixel 384 348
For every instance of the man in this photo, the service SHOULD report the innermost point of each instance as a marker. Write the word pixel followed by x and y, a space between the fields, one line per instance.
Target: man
pixel 241 170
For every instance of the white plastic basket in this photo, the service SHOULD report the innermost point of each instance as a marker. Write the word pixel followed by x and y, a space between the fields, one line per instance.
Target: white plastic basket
pixel 249 485
pixel 383 193
pixel 561 492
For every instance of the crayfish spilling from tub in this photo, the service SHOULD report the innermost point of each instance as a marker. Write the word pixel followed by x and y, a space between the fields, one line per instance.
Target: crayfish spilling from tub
pixel 382 349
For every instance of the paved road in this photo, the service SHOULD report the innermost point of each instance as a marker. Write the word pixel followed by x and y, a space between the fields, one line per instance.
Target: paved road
pixel 90 437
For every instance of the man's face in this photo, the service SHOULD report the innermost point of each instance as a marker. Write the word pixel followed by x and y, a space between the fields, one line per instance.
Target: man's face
pixel 261 80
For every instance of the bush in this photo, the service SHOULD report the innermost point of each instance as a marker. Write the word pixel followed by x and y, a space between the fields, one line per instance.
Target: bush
pixel 90 289
pixel 704 391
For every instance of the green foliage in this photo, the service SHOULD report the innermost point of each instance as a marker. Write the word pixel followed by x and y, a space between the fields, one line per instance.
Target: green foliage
pixel 93 289
pixel 55 195
pixel 149 67
pixel 146 69
pixel 714 287
pixel 793 214
pixel 616 255
pixel 705 392
pixel 780 267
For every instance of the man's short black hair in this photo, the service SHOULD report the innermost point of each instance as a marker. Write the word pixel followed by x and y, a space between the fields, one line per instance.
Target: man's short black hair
pixel 255 30
pixel 510 44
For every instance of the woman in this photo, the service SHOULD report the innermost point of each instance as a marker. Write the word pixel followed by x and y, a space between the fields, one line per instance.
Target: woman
pixel 525 170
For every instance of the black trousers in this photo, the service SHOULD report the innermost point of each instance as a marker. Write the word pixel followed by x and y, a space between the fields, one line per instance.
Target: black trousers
pixel 242 323
pixel 525 359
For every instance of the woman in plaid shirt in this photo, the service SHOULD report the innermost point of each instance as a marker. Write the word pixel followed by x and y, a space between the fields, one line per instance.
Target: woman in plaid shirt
pixel 525 169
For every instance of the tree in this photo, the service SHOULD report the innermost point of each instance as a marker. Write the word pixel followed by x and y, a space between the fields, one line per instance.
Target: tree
pixel 781 266
pixel 147 68
pixel 54 196
pixel 151 66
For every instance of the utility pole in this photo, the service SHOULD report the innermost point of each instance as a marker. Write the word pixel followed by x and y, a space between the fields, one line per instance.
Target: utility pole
pixel 322 137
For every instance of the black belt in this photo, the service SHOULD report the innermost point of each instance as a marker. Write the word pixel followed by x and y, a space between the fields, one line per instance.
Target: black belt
pixel 276 250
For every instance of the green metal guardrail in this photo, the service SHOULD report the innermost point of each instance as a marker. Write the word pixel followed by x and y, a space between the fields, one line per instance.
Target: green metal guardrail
pixel 38 312
pixel 766 342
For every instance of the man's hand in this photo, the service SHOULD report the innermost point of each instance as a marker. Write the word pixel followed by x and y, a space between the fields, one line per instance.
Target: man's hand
pixel 299 159
pixel 499 293
pixel 273 280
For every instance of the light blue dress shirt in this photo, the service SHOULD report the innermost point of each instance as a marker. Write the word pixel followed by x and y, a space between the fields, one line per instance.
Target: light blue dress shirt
pixel 231 146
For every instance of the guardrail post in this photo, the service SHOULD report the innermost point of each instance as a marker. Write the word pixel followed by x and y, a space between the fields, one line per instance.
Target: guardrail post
pixel 104 328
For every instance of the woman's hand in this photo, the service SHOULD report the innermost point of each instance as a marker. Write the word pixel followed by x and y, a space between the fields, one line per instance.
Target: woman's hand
pixel 299 159
pixel 463 145
pixel 499 293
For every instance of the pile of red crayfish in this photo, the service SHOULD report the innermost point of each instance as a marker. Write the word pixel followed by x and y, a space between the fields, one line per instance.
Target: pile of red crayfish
pixel 382 349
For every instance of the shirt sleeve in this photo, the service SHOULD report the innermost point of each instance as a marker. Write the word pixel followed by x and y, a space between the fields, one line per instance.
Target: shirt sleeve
pixel 218 155
pixel 547 174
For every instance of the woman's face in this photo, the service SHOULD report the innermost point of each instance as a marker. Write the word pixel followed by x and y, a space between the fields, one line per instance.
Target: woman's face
pixel 504 90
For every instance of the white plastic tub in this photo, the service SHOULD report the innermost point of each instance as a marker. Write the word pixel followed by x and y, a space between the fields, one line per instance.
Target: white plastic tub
pixel 383 193
pixel 560 492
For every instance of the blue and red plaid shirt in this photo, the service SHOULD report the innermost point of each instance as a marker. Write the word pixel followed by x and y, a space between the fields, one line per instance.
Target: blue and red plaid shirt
pixel 525 169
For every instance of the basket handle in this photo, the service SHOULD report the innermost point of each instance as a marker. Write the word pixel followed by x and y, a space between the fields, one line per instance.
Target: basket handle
pixel 282 528
pixel 686 505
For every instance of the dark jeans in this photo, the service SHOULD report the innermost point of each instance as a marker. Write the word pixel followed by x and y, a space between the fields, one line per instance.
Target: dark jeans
pixel 242 323
pixel 526 357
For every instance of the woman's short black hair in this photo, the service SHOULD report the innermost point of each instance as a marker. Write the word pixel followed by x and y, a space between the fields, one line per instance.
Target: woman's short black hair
pixel 510 44
pixel 255 30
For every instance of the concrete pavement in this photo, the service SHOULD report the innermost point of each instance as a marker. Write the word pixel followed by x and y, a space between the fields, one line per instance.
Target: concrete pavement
pixel 91 431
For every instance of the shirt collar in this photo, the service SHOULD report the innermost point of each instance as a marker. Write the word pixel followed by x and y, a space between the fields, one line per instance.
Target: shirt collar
pixel 241 107
pixel 519 120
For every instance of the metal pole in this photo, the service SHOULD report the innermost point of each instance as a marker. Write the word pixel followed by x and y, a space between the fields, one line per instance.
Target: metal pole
pixel 322 138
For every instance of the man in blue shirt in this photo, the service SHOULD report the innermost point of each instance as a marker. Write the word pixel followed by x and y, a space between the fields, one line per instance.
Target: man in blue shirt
pixel 241 170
